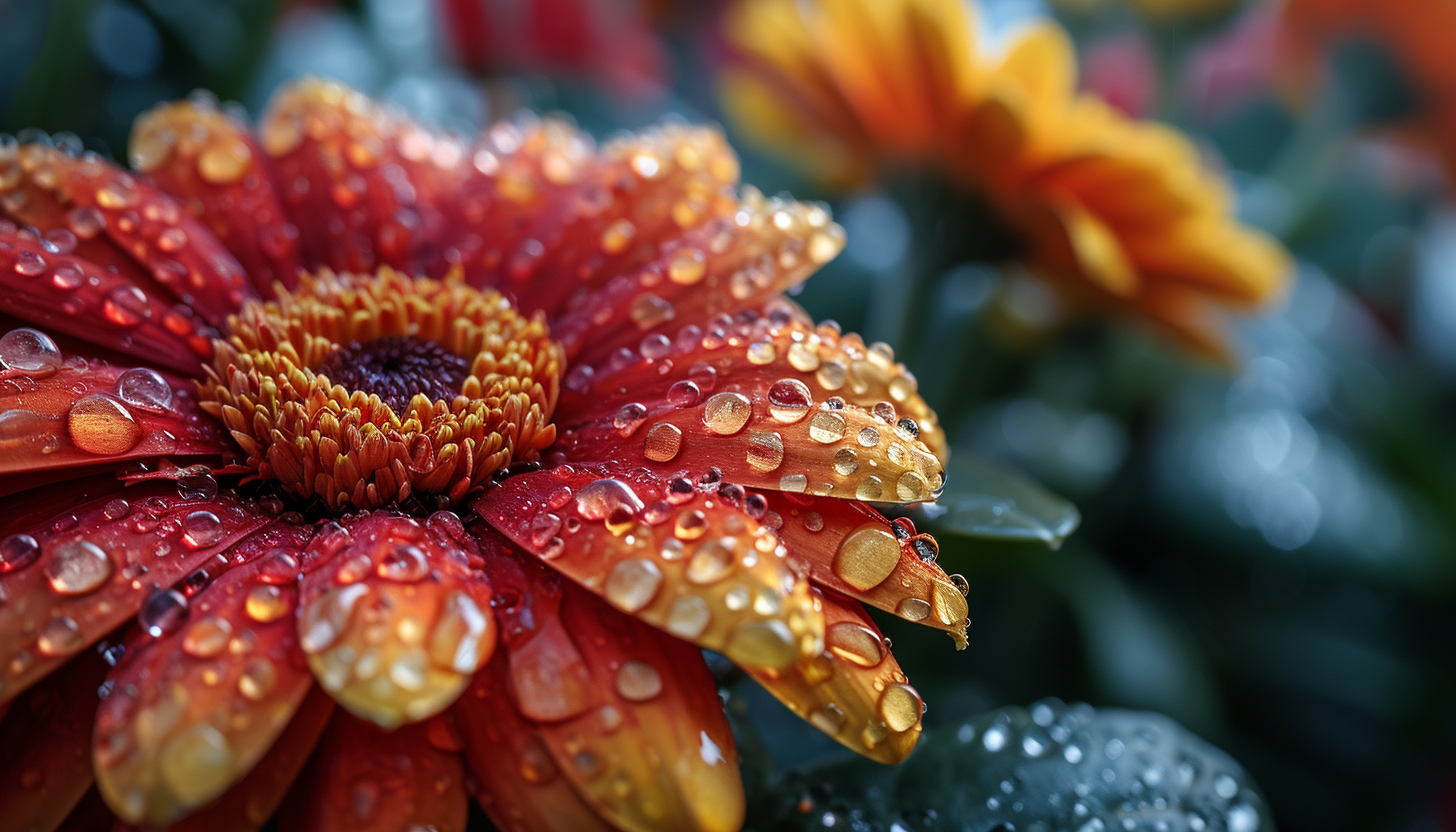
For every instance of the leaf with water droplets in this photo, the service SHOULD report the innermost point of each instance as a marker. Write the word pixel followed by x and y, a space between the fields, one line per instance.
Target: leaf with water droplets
pixel 983 499
pixel 1051 766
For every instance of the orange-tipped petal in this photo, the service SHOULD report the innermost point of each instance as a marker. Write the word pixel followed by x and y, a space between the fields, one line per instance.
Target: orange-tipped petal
pixel 193 707
pixel 67 411
pixel 175 250
pixel 655 752
pixel 521 787
pixel 247 806
pixel 397 621
pixel 363 779
pixel 82 298
pixel 775 352
pixel 733 263
pixel 693 564
pixel 854 691
pixel 211 162
pixel 47 741
pixel 852 549
pixel 78 576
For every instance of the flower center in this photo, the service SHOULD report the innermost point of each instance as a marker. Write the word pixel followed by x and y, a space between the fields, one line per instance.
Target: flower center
pixel 367 391
pixel 395 368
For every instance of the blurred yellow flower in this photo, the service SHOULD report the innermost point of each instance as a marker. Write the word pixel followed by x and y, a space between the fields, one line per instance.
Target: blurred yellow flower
pixel 1113 211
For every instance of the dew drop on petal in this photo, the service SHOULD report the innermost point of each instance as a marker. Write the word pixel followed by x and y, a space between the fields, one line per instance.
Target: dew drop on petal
pixel 765 451
pixel 162 612
pixel 632 584
pixel 602 498
pixel 638 681
pixel 144 388
pixel 267 602
pixel 404 563
pixel 913 609
pixel 688 617
pixel 867 557
pixel 663 442
pixel 77 567
pixel 856 643
pixel 826 427
pixel 207 637
pixel 726 413
pixel 18 551
pixel 762 644
pixel 789 400
pixel 99 424
pixel 29 351
pixel 60 636
pixel 900 707
pixel 202 528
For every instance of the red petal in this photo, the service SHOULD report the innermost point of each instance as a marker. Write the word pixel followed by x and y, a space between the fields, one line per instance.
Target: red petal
pixel 362 779
pixel 75 296
pixel 248 805
pixel 176 250
pixel 774 345
pixel 47 742
pixel 96 565
pixel 734 262
pixel 521 787
pixel 75 412
pixel 854 691
pixel 655 752
pixel 212 163
pixel 396 623
pixel 852 549
pixel 192 710
pixel 698 567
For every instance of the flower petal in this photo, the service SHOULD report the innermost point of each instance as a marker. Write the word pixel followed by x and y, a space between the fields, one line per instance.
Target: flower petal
pixel 193 708
pixel 852 549
pixel 693 564
pixel 521 787
pixel 396 622
pixel 248 805
pixel 75 577
pixel 732 263
pixel 70 294
pixel 211 162
pixel 170 246
pixel 47 741
pixel 854 690
pixel 642 734
pixel 61 412
pixel 363 779
pixel 772 350
pixel 91 814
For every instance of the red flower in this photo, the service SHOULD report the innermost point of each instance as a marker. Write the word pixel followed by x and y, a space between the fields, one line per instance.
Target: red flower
pixel 493 511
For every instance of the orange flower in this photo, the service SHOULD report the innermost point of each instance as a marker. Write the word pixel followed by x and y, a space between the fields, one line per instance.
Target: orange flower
pixel 378 457
pixel 1113 211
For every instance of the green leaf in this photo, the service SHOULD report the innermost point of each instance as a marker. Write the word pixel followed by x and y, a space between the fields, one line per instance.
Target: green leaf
pixel 1049 768
pixel 983 499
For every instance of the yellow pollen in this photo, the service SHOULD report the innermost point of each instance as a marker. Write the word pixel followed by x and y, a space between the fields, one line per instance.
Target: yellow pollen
pixel 464 386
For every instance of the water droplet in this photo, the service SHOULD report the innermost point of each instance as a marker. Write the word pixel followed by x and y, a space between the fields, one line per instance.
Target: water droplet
pixel 830 719
pixel 900 707
pixel 870 488
pixel 913 609
pixel 632 584
pixel 144 388
pixel 60 636
pixel 856 643
pixel 765 451
pixel 267 602
pixel 638 681
pixel 687 266
pixel 162 612
pixel 826 427
pixel 77 567
pixel 684 394
pixel 663 442
pixel 202 528
pixel 727 413
pixel 207 637
pixel 762 352
pixel 197 764
pixel 867 557
pixel 197 487
pixel 789 400
pixel 688 617
pixel 29 264
pixel 1243 818
pixel 1072 754
pixel 99 424
pixel 224 161
pixel 126 306
pixel 1225 787
pixel 600 499
pixel 712 561
pixel 629 417
pixel 404 563
pixel 257 679
pixel 995 738
pixel 18 551
pixel 29 351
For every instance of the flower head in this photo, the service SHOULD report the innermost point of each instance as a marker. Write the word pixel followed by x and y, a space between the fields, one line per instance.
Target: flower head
pixel 1113 211
pixel 406 457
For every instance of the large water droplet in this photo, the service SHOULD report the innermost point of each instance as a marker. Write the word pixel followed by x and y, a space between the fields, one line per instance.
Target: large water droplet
pixel 144 388
pixel 162 612
pixel 632 584
pixel 18 551
pixel 867 557
pixel 663 442
pixel 207 637
pixel 789 400
pixel 99 424
pixel 29 351
pixel 77 567
pixel 638 681
pixel 726 413
pixel 60 636
pixel 856 643
pixel 600 499
pixel 202 528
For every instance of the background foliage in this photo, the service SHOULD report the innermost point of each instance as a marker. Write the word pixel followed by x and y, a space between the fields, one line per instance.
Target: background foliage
pixel 1267 551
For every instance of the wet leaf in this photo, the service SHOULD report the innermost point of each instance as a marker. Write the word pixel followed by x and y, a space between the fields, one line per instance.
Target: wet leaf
pixel 983 499
pixel 1048 768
